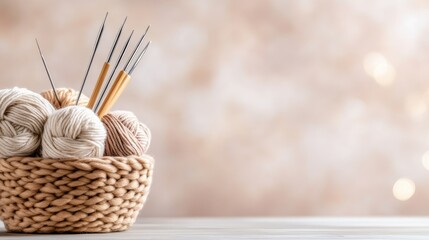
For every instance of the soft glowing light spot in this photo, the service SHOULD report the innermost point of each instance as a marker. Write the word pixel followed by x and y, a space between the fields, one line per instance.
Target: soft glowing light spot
pixel 425 160
pixel 416 106
pixel 404 189
pixel 377 66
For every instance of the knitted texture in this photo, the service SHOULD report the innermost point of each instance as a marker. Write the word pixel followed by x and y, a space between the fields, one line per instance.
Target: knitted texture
pixel 23 114
pixel 67 97
pixel 125 134
pixel 39 195
pixel 73 131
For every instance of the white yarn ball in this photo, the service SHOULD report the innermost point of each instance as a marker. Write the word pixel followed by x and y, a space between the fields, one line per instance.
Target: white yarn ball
pixel 73 132
pixel 23 114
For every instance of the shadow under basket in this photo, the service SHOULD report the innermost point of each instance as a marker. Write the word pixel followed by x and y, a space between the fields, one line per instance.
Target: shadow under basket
pixel 40 195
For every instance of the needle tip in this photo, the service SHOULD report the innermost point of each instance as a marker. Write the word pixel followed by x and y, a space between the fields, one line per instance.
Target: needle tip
pixel 129 38
pixel 147 29
pixel 37 43
pixel 125 20
pixel 105 17
pixel 147 45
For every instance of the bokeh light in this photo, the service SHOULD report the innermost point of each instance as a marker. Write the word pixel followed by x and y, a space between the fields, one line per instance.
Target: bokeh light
pixel 404 189
pixel 377 66
pixel 425 160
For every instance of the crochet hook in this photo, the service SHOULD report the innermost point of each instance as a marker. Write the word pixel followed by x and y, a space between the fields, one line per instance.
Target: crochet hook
pixel 100 32
pixel 120 86
pixel 47 71
pixel 104 70
pixel 113 71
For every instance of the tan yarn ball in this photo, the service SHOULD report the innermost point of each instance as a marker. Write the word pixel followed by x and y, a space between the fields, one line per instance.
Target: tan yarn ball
pixel 67 97
pixel 23 114
pixel 73 132
pixel 126 136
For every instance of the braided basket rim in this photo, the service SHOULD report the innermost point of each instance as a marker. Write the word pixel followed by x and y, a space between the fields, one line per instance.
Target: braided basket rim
pixel 145 157
pixel 16 209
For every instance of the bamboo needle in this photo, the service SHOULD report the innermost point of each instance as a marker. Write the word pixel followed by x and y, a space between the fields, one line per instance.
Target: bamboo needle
pixel 47 71
pixel 104 70
pixel 100 32
pixel 106 86
pixel 122 74
pixel 122 81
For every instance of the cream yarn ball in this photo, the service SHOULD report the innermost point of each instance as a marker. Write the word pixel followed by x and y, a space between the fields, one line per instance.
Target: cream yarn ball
pixel 23 114
pixel 67 97
pixel 73 132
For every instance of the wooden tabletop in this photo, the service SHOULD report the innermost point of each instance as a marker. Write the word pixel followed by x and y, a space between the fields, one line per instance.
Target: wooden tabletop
pixel 257 228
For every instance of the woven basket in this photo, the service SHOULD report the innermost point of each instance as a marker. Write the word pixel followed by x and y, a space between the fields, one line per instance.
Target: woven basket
pixel 39 195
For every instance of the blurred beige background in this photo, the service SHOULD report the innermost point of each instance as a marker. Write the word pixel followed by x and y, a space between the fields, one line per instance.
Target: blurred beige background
pixel 257 108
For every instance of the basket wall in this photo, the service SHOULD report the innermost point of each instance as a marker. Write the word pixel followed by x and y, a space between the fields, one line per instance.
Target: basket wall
pixel 73 195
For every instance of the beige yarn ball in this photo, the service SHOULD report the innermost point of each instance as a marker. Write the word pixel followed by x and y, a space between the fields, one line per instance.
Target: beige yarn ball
pixel 73 132
pixel 23 114
pixel 67 97
pixel 126 136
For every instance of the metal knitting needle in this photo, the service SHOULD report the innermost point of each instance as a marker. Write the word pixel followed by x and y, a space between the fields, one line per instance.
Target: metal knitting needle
pixel 47 71
pixel 100 32
pixel 104 70
pixel 136 49
pixel 116 41
pixel 113 71
pixel 120 84
pixel 139 58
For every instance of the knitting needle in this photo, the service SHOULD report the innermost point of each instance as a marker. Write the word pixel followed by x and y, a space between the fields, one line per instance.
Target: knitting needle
pixel 104 70
pixel 47 71
pixel 122 84
pixel 139 58
pixel 136 48
pixel 100 32
pixel 122 74
pixel 113 71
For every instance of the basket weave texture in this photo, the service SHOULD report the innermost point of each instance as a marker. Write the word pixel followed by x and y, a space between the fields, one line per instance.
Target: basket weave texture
pixel 39 195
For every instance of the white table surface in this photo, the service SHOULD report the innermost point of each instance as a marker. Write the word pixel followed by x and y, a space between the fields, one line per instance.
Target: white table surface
pixel 257 228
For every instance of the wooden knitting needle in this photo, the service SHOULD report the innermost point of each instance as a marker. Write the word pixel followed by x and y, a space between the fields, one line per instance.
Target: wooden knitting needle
pixel 127 79
pixel 118 89
pixel 113 71
pixel 47 71
pixel 100 32
pixel 104 70
pixel 122 74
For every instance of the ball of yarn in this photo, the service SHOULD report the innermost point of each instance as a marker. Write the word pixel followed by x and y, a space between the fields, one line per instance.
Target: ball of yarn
pixel 73 132
pixel 67 97
pixel 126 136
pixel 23 114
